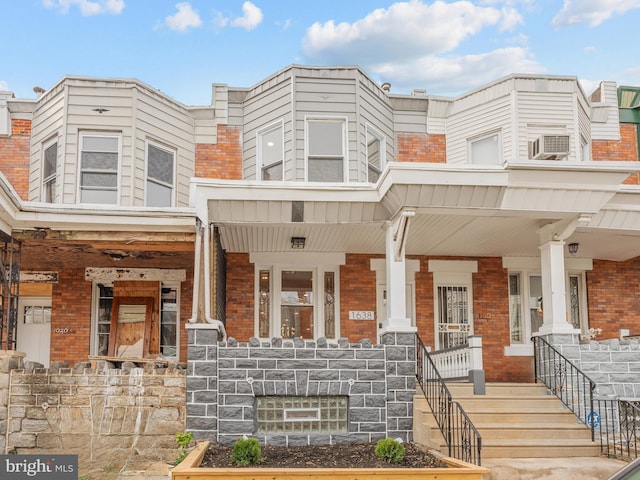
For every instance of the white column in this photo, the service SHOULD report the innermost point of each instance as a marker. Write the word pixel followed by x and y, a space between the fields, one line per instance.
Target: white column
pixel 397 320
pixel 554 301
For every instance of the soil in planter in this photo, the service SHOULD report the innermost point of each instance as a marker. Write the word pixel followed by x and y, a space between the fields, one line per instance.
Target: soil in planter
pixel 360 455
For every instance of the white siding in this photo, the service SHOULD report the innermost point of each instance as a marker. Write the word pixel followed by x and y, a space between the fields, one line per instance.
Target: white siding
pixel 492 116
pixel 608 100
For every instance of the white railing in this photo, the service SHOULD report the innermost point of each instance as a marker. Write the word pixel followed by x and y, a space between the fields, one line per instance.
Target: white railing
pixel 458 361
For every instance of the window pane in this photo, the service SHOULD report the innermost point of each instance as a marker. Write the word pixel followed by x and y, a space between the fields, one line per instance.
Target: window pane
pixel 486 151
pixel 50 160
pixel 329 305
pixel 158 195
pixel 264 322
pixel 272 149
pixel 535 303
pixel 98 196
pixel 100 144
pixel 92 179
pixel 169 322
pixel 325 170
pixel 325 138
pixel 373 152
pixel 272 172
pixel 515 309
pixel 160 165
pixel 99 161
pixel 297 314
pixel 574 300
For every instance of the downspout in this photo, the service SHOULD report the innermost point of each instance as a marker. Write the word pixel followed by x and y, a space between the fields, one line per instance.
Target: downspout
pixel 196 273
pixel 207 284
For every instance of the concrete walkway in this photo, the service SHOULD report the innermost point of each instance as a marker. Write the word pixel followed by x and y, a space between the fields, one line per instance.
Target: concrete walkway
pixel 577 468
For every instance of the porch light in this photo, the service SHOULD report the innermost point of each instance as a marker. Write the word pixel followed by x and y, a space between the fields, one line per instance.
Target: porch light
pixel 298 242
pixel 573 248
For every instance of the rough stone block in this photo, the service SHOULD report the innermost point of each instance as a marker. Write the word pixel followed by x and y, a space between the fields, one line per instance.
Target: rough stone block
pixel 21 440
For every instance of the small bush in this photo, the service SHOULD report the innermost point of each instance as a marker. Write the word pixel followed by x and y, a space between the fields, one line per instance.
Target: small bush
pixel 390 450
pixel 246 451
pixel 183 440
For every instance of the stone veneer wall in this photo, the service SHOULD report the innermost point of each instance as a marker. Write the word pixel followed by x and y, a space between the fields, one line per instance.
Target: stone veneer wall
pixel 614 365
pixel 90 412
pixel 224 379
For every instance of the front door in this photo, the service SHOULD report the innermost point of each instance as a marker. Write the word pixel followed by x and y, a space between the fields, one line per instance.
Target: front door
pixel 453 316
pixel 33 336
pixel 296 304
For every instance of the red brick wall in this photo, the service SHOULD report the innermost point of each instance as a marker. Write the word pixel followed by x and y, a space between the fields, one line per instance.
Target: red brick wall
pixel 240 297
pixel 222 160
pixel 14 156
pixel 357 292
pixel 71 309
pixel 623 150
pixel 614 297
pixel 413 147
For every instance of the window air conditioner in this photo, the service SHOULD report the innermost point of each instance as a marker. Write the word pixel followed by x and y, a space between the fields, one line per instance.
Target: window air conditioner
pixel 549 147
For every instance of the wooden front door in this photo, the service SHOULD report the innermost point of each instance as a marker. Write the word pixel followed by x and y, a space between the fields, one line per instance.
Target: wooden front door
pixel 131 319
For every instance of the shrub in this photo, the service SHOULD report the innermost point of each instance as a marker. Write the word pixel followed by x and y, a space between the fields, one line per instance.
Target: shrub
pixel 390 450
pixel 183 440
pixel 246 451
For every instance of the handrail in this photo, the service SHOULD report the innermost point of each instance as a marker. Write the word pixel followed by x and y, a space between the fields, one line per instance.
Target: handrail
pixel 463 439
pixel 617 421
pixel 566 381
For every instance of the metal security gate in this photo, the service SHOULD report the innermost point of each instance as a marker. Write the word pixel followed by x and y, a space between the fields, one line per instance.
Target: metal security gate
pixel 9 290
pixel 453 316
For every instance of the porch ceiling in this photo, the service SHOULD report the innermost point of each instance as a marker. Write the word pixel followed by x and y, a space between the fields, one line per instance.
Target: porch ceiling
pixel 460 211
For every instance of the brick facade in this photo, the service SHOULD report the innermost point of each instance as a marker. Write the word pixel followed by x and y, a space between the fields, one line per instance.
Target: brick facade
pixel 614 297
pixel 623 150
pixel 222 160
pixel 15 155
pixel 414 147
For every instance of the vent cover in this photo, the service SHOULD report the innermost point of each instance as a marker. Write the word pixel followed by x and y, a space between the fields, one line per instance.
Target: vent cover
pixel 549 147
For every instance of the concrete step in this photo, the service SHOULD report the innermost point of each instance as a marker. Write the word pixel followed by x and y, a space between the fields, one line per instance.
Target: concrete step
pixel 551 448
pixel 524 431
pixel 466 389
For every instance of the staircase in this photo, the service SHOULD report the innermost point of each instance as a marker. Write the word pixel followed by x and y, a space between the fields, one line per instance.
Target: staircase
pixel 514 420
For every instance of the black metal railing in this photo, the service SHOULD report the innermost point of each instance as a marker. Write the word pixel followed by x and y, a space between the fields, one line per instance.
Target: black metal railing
pixel 616 422
pixel 463 440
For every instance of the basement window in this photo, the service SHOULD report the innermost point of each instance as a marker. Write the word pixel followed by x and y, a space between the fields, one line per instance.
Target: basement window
pixel 323 414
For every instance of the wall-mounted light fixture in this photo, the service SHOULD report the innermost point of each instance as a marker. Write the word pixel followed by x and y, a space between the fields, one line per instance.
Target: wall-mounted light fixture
pixel 298 242
pixel 573 248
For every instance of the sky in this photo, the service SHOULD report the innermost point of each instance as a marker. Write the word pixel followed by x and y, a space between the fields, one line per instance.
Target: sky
pixel 444 47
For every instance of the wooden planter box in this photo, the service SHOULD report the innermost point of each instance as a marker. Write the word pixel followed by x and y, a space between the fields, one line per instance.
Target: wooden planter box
pixel 189 469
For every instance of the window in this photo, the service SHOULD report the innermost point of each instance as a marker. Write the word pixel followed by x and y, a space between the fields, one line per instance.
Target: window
pixel 99 155
pixel 169 318
pixel 526 304
pixel 326 150
pixel 49 168
pixel 297 302
pixel 270 145
pixel 36 314
pixel 375 154
pixel 486 150
pixel 325 414
pixel 160 176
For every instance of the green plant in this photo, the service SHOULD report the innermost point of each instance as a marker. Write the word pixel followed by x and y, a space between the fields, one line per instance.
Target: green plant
pixel 183 440
pixel 390 450
pixel 246 451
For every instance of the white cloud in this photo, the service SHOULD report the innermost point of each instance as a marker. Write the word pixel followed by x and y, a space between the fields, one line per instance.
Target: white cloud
pixel 251 18
pixel 185 18
pixel 591 12
pixel 589 49
pixel 446 75
pixel 511 18
pixel 87 7
pixel 405 30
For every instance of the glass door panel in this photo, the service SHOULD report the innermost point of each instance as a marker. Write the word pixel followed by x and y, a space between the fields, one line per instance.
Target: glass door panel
pixel 296 304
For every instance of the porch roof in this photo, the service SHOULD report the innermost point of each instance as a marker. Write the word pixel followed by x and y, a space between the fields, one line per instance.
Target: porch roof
pixel 461 210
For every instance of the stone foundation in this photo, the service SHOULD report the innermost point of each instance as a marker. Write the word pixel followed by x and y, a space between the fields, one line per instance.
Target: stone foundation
pixel 91 411
pixel 224 379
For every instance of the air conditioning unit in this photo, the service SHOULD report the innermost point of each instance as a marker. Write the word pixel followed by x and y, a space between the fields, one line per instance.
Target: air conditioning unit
pixel 549 147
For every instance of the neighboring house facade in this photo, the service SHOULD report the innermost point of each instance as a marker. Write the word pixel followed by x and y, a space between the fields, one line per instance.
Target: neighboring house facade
pixel 319 204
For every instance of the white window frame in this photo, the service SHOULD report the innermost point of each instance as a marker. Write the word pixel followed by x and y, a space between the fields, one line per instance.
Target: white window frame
pixel 149 179
pixel 49 183
pixel 345 152
pixel 100 134
pixel 375 133
pixel 486 136
pixel 260 163
pixel 526 267
pixel 319 264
